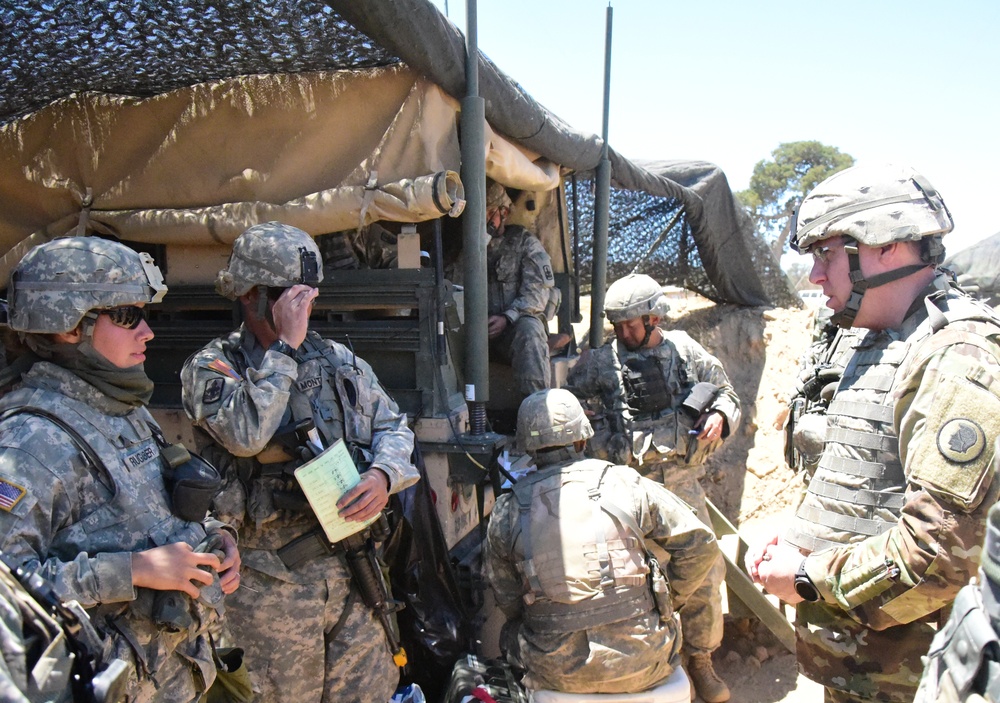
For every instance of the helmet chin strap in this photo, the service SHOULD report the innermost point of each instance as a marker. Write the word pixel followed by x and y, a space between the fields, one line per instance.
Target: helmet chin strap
pixel 649 331
pixel 860 284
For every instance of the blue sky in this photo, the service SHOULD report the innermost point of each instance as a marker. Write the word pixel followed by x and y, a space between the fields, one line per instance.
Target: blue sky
pixel 911 82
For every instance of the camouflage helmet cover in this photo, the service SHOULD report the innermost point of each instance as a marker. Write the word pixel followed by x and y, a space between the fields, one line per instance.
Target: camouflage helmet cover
pixel 59 282
pixel 874 204
pixel 551 418
pixel 496 196
pixel 633 296
pixel 270 254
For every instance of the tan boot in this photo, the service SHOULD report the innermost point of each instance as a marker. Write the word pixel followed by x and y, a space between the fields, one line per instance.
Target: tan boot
pixel 706 682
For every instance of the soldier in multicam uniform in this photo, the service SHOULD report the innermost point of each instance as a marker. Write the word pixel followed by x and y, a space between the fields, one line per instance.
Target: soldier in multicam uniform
pixel 892 521
pixel 964 660
pixel 522 295
pixel 82 462
pixel 819 373
pixel 265 394
pixel 669 405
pixel 588 608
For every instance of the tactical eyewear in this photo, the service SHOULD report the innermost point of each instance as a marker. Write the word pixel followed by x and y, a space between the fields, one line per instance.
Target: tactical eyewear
pixel 127 316
pixel 822 254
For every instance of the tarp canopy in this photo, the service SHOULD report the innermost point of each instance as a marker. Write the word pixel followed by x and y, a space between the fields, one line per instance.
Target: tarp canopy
pixel 190 120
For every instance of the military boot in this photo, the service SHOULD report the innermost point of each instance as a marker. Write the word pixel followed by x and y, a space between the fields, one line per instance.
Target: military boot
pixel 706 683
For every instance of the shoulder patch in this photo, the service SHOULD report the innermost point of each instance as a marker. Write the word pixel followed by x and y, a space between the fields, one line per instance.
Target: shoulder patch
pixel 10 494
pixel 961 440
pixel 222 367
pixel 547 272
pixel 213 391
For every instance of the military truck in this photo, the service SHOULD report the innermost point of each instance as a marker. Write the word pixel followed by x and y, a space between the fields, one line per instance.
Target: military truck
pixel 173 128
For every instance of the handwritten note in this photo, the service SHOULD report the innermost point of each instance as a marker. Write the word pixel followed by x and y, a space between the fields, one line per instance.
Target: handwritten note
pixel 324 480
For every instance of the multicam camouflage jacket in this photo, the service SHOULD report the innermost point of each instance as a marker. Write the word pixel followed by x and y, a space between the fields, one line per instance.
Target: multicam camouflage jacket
pixel 900 495
pixel 631 654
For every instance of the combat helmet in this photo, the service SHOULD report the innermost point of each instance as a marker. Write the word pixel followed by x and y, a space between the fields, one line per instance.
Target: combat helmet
pixel 551 418
pixel 270 254
pixel 496 196
pixel 634 296
pixel 57 283
pixel 873 205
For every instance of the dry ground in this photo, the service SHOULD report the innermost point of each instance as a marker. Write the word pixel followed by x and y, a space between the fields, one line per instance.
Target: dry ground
pixel 748 479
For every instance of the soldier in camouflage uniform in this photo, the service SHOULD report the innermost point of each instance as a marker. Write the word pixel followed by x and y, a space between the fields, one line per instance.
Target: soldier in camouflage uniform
pixel 964 661
pixel 522 295
pixel 257 393
pixel 82 496
pixel 588 608
pixel 893 520
pixel 668 405
pixel 819 373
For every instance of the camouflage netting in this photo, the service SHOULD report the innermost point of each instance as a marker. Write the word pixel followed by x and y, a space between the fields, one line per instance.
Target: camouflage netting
pixel 138 48
pixel 56 48
pixel 637 223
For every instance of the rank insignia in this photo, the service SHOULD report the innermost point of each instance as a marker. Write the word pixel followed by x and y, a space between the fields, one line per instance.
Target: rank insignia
pixel 961 440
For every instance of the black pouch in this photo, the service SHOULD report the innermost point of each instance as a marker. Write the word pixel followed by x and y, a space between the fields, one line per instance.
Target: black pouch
pixel 191 482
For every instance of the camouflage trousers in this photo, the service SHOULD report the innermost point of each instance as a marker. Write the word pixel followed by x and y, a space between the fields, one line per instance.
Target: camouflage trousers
pixel 285 630
pixel 856 663
pixel 525 346
pixel 701 616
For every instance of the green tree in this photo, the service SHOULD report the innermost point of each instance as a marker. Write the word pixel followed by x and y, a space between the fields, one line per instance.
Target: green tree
pixel 779 183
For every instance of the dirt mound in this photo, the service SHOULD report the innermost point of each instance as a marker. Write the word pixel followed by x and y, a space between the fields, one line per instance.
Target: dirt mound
pixel 748 479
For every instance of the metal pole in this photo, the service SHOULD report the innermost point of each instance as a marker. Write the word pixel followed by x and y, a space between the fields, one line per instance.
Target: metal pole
pixel 602 207
pixel 474 232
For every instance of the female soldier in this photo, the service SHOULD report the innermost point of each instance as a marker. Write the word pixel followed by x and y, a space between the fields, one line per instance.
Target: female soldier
pixel 83 500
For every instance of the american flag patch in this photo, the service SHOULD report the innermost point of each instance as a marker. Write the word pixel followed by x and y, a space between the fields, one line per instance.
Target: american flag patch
pixel 10 494
pixel 224 368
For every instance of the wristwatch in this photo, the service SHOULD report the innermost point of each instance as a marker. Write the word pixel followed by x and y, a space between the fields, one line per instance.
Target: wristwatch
pixel 804 585
pixel 282 347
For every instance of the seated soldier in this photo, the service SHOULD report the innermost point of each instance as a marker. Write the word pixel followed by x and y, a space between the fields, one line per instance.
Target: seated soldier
pixel 589 610
pixel 521 295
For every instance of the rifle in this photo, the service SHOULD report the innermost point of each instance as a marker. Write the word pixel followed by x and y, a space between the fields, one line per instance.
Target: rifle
pixel 93 679
pixel 359 553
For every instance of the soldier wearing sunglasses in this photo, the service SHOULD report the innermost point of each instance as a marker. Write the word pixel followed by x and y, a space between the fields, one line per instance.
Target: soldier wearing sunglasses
pixel 83 501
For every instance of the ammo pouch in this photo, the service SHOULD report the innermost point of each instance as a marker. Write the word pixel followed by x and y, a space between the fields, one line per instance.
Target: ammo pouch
pixel 645 387
pixel 191 482
pixel 305 547
pixel 661 590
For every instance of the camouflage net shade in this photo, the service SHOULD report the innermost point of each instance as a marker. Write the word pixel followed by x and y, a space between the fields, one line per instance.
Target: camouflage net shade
pixel 52 48
pixel 56 48
pixel 638 221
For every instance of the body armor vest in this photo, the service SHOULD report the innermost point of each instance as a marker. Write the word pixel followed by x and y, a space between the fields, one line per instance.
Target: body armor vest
pixel 858 490
pixel 645 386
pixel 581 566
pixel 130 468
pixel 329 392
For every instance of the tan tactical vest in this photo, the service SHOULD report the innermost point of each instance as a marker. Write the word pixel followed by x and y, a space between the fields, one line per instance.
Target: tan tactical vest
pixel 858 488
pixel 583 565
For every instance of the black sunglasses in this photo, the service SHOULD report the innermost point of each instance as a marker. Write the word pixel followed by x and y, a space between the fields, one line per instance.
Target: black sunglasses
pixel 127 316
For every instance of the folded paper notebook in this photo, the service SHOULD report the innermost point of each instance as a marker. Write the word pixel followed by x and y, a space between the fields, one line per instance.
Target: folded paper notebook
pixel 324 480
